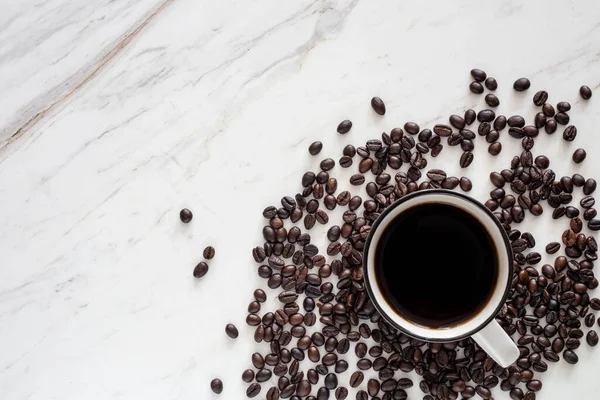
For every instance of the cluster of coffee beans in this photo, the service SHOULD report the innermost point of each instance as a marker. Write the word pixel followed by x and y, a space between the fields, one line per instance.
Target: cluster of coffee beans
pixel 323 311
pixel 202 268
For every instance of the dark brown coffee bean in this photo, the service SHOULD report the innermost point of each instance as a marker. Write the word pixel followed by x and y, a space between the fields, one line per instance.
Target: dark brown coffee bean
pixel 492 100
pixel 540 98
pixel 470 116
pixel 592 338
pixel 465 184
pixel 562 118
pixel 357 179
pixel 570 357
pixel 378 105
pixel 200 270
pixel 492 136
pixel 491 83
pixel 486 115
pixel 442 130
pixel 253 390
pixel 594 224
pixel 552 248
pixel 476 87
pixel 185 215
pixel 521 84
pixel 315 148
pixel 570 133
pixel 589 186
pixel 478 74
pixel 516 121
pixel 362 395
pixel 585 92
pixel 456 121
pixel 495 148
pixel 540 120
pixel 344 126
pixel 216 386
pixel 466 159
pixel 208 253
pixel 356 379
pixel 579 155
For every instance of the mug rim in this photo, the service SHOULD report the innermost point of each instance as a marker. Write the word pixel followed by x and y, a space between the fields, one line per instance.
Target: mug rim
pixel 368 280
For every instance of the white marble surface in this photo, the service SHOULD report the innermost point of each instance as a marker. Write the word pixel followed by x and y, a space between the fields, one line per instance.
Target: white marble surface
pixel 116 114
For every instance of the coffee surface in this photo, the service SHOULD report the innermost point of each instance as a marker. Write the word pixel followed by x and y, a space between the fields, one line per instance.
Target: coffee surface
pixel 436 265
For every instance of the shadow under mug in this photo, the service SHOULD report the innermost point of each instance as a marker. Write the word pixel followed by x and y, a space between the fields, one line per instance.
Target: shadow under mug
pixel 482 327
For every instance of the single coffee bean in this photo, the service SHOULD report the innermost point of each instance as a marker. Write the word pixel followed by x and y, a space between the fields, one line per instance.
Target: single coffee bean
pixel 570 357
pixel 315 148
pixel 216 386
pixel 470 116
pixel 456 121
pixel 579 155
pixel 495 148
pixel 562 118
pixel 540 98
pixel 253 390
pixel 476 87
pixel 589 186
pixel 357 179
pixel 540 120
pixel 585 92
pixel 185 215
pixel 592 338
pixel 550 126
pixel 208 253
pixel 491 83
pixel 486 115
pixel 552 248
pixel 478 74
pixel 378 105
pixel 200 270
pixel 442 130
pixel 356 379
pixel 521 84
pixel 570 133
pixel 344 126
pixel 465 184
pixel 466 159
pixel 492 100
pixel 231 331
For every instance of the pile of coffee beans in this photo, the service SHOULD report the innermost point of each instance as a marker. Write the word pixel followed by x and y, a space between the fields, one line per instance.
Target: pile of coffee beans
pixel 322 311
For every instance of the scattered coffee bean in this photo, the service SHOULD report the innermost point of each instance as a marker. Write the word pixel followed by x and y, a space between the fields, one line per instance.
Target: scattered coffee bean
pixel 208 253
pixel 344 126
pixel 579 155
pixel 585 92
pixel 315 148
pixel 185 215
pixel 200 270
pixel 216 386
pixel 521 84
pixel 378 105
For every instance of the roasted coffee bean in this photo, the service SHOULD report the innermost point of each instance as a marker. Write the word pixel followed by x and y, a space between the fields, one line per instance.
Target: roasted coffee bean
pixel 592 338
pixel 344 126
pixel 570 133
pixel 589 187
pixel 478 74
pixel 585 92
pixel 315 148
pixel 491 83
pixel 550 126
pixel 378 105
pixel 540 98
pixel 185 215
pixel 200 270
pixel 486 115
pixel 465 184
pixel 495 148
pixel 253 390
pixel 570 357
pixel 357 179
pixel 356 379
pixel 540 120
pixel 476 87
pixel 521 84
pixel 442 130
pixel 216 386
pixel 492 100
pixel 466 159
pixel 579 155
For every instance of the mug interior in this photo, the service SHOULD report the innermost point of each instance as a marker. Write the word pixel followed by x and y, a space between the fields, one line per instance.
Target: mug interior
pixel 503 252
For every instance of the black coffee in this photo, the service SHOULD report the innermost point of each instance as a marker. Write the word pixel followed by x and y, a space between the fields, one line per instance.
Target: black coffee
pixel 436 265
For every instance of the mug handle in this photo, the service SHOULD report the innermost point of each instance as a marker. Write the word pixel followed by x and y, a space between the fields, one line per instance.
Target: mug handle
pixel 497 344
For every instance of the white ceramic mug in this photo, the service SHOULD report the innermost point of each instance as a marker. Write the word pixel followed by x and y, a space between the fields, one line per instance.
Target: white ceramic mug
pixel 482 327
